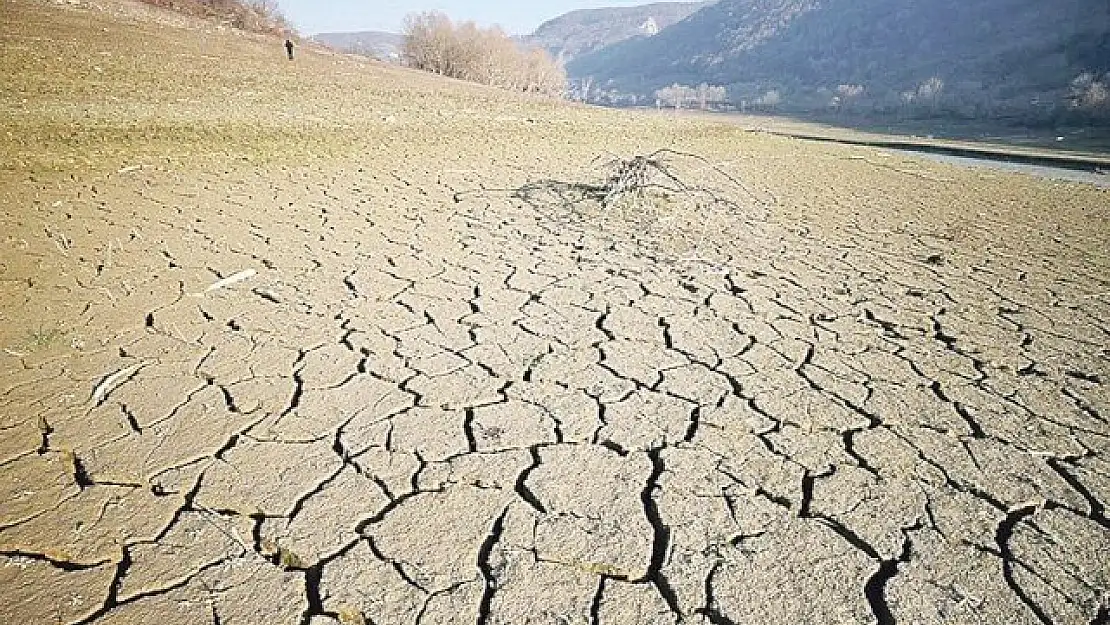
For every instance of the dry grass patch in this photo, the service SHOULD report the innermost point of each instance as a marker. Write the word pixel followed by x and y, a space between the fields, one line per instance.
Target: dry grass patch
pixel 259 16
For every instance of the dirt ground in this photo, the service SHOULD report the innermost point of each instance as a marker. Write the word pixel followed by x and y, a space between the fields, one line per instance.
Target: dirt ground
pixel 321 342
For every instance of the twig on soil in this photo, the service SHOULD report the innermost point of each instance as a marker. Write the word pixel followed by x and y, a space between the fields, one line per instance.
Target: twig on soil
pixel 229 534
pixel 108 384
pixel 63 242
pixel 234 278
pixel 632 178
pixel 684 190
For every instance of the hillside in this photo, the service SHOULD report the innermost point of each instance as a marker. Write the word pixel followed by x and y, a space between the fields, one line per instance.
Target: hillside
pixel 583 31
pixel 995 57
pixel 376 44
pixel 258 16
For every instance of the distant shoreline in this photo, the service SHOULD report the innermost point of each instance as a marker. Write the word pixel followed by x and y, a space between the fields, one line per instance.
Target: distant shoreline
pixel 1083 159
pixel 1089 167
pixel 1034 157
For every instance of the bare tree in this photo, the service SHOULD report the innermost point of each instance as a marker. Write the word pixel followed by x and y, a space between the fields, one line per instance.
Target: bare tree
pixel 426 41
pixel 1097 95
pixel 676 95
pixel 665 97
pixel 262 16
pixel 907 98
pixel 679 96
pixel 718 95
pixel 586 85
pixel 846 95
pixel 1090 94
pixel 432 42
pixel 708 95
pixel 770 100
pixel 930 91
pixel 542 74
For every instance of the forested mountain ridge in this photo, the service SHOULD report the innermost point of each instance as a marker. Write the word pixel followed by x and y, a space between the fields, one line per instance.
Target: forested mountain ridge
pixel 586 30
pixel 1024 58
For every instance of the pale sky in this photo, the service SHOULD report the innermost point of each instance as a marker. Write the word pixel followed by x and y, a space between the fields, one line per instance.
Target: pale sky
pixel 518 17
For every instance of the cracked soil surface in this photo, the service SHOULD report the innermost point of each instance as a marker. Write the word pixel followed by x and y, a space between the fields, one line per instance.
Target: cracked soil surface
pixel 275 352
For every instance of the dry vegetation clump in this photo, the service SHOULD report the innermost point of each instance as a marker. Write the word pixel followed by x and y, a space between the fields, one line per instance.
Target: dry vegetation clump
pixel 432 42
pixel 663 185
pixel 664 199
pixel 259 16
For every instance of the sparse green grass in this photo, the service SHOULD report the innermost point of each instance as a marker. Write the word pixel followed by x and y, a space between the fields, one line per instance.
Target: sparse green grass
pixel 44 338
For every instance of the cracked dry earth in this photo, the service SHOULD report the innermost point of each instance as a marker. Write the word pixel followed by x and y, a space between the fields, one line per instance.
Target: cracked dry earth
pixel 358 391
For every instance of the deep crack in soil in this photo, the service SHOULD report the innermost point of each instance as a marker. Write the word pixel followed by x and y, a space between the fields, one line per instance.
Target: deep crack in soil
pixel 335 342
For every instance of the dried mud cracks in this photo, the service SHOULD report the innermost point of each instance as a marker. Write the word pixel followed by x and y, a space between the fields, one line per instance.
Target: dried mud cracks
pixel 486 414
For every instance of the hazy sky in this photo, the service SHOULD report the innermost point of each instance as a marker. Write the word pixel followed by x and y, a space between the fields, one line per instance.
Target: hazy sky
pixel 516 16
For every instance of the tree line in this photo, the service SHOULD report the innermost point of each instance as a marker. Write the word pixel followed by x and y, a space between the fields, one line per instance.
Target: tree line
pixel 1086 100
pixel 432 42
pixel 704 96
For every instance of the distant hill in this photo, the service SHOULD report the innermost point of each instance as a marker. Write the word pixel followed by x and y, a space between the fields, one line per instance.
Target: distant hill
pixel 586 30
pixel 993 58
pixel 380 45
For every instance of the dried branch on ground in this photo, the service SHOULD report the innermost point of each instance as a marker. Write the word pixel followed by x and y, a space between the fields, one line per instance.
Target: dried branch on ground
pixel 665 194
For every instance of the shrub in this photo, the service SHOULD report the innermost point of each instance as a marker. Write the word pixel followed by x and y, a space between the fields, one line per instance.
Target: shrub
pixel 259 16
pixel 432 42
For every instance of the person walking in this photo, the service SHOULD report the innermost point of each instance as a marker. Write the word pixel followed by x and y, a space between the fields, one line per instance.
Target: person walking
pixel 289 48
